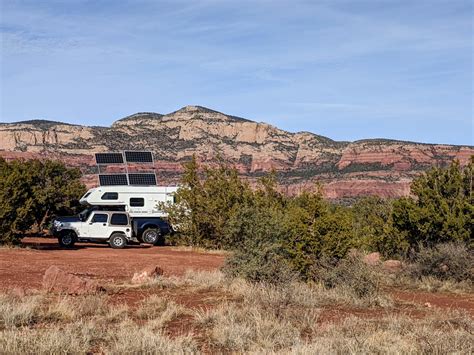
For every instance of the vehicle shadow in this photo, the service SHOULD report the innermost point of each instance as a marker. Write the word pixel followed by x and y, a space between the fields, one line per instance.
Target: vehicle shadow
pixel 49 244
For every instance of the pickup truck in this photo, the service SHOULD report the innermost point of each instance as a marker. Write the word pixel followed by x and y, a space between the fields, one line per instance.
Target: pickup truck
pixel 115 227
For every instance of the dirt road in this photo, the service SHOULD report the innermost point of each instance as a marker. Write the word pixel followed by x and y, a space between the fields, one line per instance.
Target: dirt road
pixel 25 267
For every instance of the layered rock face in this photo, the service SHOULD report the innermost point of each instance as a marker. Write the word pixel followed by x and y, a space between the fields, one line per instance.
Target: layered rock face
pixel 346 169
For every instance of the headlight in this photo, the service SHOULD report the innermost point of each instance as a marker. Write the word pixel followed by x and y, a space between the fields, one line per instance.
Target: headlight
pixel 57 224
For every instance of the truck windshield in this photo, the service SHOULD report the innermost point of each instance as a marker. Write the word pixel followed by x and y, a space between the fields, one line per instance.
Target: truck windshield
pixel 85 214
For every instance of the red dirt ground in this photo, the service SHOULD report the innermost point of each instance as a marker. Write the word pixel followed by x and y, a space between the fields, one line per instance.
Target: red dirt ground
pixel 437 300
pixel 24 268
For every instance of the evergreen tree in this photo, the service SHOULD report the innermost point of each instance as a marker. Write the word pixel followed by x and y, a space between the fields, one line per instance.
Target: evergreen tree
pixel 32 192
pixel 441 209
pixel 372 225
pixel 205 204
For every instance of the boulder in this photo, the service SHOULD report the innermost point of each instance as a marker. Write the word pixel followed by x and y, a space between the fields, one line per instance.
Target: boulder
pixel 372 259
pixel 59 281
pixel 146 275
pixel 392 265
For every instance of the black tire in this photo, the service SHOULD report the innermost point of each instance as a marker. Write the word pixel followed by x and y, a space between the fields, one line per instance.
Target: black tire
pixel 67 239
pixel 117 241
pixel 152 236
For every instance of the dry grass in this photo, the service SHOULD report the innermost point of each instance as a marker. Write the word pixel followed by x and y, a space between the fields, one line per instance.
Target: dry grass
pixel 158 311
pixel 429 283
pixel 201 250
pixel 440 333
pixel 258 318
pixel 131 338
pixel 306 295
pixel 247 328
pixel 45 324
pixel 433 284
pixel 296 292
pixel 16 312
pixel 267 317
pixel 444 268
pixel 272 319
pixel 76 337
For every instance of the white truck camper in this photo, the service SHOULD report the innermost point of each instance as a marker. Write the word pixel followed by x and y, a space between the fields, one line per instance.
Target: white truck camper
pixel 124 209
pixel 138 201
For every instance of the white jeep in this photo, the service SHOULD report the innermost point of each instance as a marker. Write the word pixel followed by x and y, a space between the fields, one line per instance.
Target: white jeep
pixel 98 226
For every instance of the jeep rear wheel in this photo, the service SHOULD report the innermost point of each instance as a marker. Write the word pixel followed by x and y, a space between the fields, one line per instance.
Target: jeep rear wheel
pixel 118 241
pixel 67 239
pixel 151 236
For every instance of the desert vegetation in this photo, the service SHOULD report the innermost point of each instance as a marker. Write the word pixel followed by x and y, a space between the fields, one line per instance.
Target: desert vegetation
pixel 228 315
pixel 32 192
pixel 297 276
pixel 277 238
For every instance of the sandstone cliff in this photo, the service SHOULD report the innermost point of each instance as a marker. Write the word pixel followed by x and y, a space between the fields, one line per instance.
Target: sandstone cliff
pixel 346 169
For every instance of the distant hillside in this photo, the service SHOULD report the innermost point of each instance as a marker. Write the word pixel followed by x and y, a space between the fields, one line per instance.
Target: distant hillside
pixel 346 169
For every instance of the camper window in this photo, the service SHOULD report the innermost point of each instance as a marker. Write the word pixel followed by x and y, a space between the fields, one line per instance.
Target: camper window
pixel 137 202
pixel 110 196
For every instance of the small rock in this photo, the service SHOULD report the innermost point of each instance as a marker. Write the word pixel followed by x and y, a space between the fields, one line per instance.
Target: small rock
pixel 392 265
pixel 372 259
pixel 146 275
pixel 18 292
pixel 444 268
pixel 57 280
pixel 428 305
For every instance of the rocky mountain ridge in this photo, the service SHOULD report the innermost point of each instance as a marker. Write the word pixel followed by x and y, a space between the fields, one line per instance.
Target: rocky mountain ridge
pixel 346 169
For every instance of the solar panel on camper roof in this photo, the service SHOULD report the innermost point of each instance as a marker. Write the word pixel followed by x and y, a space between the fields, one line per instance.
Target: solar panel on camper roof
pixel 138 157
pixel 142 179
pixel 109 158
pixel 113 179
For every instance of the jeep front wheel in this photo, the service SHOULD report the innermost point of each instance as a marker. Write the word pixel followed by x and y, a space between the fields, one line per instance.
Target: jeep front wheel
pixel 67 239
pixel 118 241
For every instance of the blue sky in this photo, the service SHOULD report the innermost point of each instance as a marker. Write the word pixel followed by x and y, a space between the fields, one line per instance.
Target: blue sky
pixel 344 69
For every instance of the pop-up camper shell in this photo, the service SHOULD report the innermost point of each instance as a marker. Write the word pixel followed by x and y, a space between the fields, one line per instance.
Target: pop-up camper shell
pixel 138 201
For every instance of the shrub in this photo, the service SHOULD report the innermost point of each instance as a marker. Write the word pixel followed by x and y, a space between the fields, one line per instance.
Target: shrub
pixel 442 209
pixel 263 264
pixel 350 273
pixel 260 256
pixel 275 237
pixel 205 205
pixel 372 225
pixel 335 233
pixel 316 229
pixel 31 192
pixel 448 261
